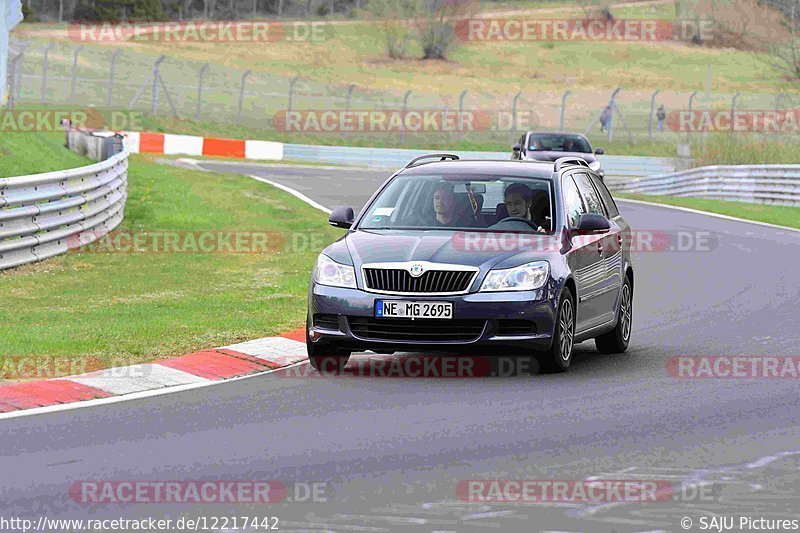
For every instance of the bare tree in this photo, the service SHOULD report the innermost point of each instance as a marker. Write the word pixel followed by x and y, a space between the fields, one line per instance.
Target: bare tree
pixel 394 16
pixel 436 25
pixel 785 57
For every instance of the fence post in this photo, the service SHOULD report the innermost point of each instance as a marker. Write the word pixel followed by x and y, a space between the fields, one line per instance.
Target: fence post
pixel 688 130
pixel 405 109
pixel 74 73
pixel 733 110
pixel 350 89
pixel 112 67
pixel 514 115
pixel 650 117
pixel 461 114
pixel 241 97
pixel 200 78
pixel 613 105
pixel 45 68
pixel 778 98
pixel 13 75
pixel 563 109
pixel 291 92
pixel 156 75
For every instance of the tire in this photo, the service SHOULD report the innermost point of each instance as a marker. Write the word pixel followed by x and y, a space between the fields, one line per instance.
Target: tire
pixel 617 340
pixel 326 358
pixel 559 356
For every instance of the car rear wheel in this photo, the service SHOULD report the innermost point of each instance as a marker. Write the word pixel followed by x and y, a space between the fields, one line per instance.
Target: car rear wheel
pixel 559 356
pixel 326 358
pixel 617 340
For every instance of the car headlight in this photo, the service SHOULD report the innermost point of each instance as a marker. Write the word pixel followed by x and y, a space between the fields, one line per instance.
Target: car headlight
pixel 525 277
pixel 329 272
pixel 595 165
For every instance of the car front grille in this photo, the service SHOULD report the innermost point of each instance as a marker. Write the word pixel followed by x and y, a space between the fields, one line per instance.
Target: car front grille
pixel 430 282
pixel 418 330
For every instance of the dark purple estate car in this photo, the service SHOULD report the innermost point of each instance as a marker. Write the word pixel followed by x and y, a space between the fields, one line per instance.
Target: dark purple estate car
pixel 455 256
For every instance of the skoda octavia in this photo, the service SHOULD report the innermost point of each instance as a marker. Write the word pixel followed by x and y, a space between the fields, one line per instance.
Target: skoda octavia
pixel 458 256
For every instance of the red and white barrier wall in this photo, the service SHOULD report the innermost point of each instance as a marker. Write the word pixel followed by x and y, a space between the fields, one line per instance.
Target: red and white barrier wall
pixel 172 144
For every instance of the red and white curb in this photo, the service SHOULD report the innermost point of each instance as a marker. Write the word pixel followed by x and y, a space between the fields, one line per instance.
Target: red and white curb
pixel 140 142
pixel 188 371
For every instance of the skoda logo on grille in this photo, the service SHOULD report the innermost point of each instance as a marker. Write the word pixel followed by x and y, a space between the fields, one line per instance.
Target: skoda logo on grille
pixel 416 270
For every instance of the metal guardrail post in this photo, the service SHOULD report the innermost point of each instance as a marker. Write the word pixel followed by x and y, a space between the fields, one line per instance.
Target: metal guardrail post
pixel 111 69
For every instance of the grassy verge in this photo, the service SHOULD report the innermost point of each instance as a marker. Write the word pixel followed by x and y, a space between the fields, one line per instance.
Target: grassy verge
pixel 772 214
pixel 32 153
pixel 138 307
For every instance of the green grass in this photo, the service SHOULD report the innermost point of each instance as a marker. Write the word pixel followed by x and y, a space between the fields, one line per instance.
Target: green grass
pixel 32 153
pixel 140 307
pixel 772 214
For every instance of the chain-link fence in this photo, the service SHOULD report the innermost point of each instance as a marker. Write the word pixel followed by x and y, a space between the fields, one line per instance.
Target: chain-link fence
pixel 68 74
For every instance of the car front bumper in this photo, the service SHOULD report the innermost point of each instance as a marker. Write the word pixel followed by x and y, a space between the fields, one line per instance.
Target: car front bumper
pixel 482 322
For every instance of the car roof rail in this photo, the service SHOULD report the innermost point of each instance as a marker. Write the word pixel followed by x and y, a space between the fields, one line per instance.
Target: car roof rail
pixel 570 160
pixel 442 157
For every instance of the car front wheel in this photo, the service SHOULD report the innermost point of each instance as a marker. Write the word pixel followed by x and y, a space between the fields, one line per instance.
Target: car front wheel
pixel 558 358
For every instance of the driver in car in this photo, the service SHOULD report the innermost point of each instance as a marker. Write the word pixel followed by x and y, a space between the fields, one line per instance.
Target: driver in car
pixel 446 209
pixel 518 198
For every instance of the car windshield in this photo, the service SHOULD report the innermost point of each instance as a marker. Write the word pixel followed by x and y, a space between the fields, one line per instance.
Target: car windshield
pixel 555 142
pixel 474 202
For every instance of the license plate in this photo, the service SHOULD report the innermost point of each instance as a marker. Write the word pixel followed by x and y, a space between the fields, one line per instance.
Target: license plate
pixel 410 309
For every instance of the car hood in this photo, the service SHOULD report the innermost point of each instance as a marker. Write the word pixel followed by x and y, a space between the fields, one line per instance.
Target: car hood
pixel 471 248
pixel 552 156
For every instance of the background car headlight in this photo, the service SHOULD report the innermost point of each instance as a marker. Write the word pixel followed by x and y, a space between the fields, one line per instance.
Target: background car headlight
pixel 595 165
pixel 329 272
pixel 526 277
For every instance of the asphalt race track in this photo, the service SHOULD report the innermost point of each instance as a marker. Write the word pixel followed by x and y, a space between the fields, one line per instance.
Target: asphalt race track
pixel 392 451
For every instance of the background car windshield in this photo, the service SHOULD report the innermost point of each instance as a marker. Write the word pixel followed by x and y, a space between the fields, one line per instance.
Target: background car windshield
pixel 503 203
pixel 543 142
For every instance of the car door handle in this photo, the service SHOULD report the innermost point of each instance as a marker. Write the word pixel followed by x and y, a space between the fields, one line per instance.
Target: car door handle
pixel 600 248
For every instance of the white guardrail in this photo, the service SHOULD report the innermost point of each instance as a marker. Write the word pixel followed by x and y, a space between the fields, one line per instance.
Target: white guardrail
pixel 767 184
pixel 43 215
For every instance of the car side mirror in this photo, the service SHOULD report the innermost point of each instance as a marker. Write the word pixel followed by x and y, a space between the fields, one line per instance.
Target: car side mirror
pixel 599 151
pixel 592 223
pixel 342 217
